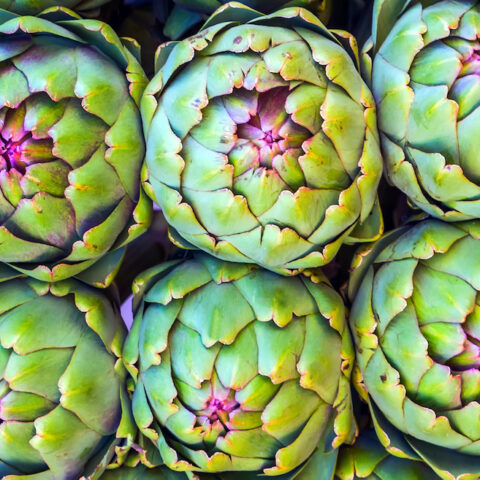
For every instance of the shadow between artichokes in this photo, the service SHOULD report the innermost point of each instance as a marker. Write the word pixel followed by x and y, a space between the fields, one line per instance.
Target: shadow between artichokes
pixel 416 323
pixel 238 369
pixel 262 145
pixel 71 146
pixel 425 82
pixel 64 410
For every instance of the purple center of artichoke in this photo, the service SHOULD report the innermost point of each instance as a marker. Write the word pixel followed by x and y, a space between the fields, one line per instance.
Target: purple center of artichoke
pixel 18 147
pixel 12 153
pixel 269 133
pixel 217 411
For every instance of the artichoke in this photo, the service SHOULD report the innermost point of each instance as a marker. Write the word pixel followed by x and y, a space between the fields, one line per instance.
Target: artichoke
pixel 369 460
pixel 71 145
pixel 239 369
pixel 33 7
pixel 262 144
pixel 62 384
pixel 425 82
pixel 187 13
pixel 416 324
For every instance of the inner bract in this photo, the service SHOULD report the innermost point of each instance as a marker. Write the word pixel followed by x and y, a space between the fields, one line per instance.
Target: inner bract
pixel 21 143
pixel 274 140
pixel 269 133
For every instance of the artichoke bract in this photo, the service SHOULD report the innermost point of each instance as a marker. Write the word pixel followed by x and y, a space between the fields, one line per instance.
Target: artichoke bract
pixel 33 7
pixel 71 144
pixel 187 13
pixel 369 460
pixel 416 324
pixel 262 144
pixel 61 380
pixel 425 82
pixel 140 472
pixel 239 369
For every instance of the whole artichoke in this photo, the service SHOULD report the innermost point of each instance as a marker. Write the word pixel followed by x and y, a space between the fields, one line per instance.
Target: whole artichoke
pixel 187 13
pixel 62 384
pixel 239 369
pixel 369 460
pixel 262 144
pixel 416 324
pixel 71 145
pixel 33 7
pixel 425 81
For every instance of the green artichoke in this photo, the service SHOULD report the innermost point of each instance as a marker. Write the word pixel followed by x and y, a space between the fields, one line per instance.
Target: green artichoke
pixel 262 144
pixel 71 145
pixel 187 13
pixel 416 324
pixel 425 82
pixel 62 383
pixel 239 369
pixel 368 459
pixel 33 7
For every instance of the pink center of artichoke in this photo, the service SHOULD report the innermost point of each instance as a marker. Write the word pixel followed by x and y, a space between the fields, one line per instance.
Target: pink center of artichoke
pixel 20 147
pixel 269 138
pixel 270 131
pixel 12 153
pixel 217 410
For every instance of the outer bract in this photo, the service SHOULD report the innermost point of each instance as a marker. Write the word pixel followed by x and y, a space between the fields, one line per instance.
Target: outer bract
pixel 368 459
pixel 239 369
pixel 425 80
pixel 71 146
pixel 141 472
pixel 187 13
pixel 61 383
pixel 261 141
pixel 416 323
pixel 33 7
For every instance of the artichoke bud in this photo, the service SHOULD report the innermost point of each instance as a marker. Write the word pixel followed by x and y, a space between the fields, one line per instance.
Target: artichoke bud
pixel 239 369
